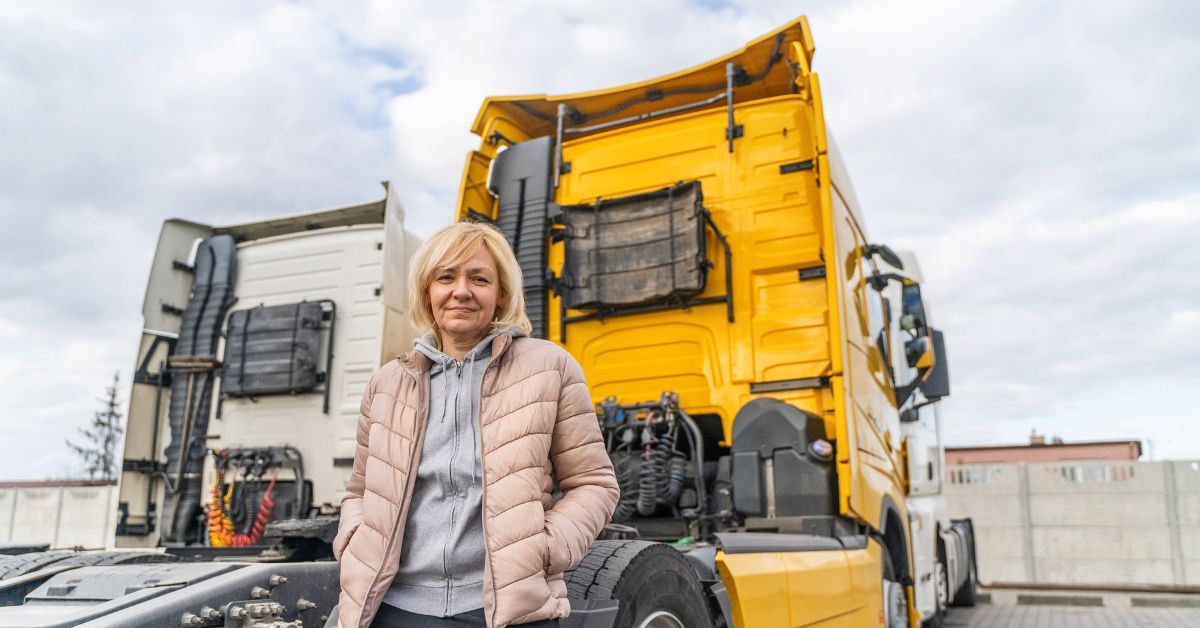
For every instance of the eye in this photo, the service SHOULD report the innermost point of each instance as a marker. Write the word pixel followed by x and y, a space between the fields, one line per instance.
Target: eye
pixel 481 280
pixel 445 278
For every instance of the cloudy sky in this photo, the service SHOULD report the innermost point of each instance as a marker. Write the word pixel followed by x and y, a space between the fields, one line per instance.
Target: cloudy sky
pixel 1043 159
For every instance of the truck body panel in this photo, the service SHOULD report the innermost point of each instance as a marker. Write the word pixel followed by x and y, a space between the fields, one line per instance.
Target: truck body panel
pixel 825 588
pixel 355 259
pixel 344 266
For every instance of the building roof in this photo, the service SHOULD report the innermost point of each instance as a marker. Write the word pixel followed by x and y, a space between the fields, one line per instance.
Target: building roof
pixel 1060 445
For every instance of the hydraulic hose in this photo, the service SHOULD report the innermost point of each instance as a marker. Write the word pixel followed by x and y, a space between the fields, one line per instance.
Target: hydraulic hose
pixel 696 440
pixel 647 500
pixel 660 461
pixel 221 529
pixel 627 504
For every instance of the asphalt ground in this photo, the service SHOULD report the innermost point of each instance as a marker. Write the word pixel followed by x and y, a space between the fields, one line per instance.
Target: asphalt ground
pixel 1081 609
pixel 990 616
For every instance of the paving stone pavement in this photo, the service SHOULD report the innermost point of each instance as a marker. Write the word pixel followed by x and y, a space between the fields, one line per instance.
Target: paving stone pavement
pixel 1005 616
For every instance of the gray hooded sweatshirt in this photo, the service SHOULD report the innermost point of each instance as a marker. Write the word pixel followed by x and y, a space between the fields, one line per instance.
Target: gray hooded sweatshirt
pixel 441 563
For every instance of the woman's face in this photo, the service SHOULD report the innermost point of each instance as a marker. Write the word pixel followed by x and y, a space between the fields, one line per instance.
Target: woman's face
pixel 463 299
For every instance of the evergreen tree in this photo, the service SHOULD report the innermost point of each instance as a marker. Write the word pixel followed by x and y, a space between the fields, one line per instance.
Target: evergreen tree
pixel 99 453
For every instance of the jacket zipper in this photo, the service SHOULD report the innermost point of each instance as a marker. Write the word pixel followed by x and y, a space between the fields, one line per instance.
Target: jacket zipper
pixel 453 491
pixel 483 483
pixel 422 417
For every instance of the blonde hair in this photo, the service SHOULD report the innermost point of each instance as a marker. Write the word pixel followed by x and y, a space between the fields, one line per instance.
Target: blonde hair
pixel 450 247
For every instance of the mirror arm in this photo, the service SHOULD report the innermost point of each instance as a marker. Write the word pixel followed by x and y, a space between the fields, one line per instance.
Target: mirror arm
pixel 908 415
pixel 884 252
pixel 904 392
pixel 879 280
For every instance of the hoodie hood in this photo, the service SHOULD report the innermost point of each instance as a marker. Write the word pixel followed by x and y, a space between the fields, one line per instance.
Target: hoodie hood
pixel 427 344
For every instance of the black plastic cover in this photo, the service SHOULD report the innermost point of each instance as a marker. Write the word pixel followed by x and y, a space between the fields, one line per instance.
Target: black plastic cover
pixel 636 249
pixel 215 272
pixel 273 350
pixel 521 178
pixel 767 428
pixel 759 542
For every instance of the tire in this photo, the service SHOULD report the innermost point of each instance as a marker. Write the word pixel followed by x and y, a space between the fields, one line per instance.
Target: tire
pixel 966 595
pixel 895 598
pixel 93 559
pixel 942 592
pixel 653 583
pixel 13 566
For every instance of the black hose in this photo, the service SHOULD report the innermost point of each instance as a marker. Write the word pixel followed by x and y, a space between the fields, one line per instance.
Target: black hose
pixel 696 440
pixel 647 499
pixel 660 460
pixel 626 480
pixel 678 478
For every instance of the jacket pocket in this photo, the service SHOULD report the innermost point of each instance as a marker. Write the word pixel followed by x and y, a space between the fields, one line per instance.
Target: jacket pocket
pixel 546 559
pixel 342 540
pixel 558 557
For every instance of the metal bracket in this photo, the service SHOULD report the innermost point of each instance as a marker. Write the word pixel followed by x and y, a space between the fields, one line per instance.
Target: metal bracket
pixel 124 528
pixel 142 465
pixel 143 375
pixel 816 272
pixel 779 385
pixel 732 130
pixel 496 137
pixel 797 166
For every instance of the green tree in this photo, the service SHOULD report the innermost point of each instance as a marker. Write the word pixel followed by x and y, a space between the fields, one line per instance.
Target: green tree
pixel 99 453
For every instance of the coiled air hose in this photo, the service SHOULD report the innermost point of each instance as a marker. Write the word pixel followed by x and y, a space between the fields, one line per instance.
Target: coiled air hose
pixel 221 530
pixel 627 504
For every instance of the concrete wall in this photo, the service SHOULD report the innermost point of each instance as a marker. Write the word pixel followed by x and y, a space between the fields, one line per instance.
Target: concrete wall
pixel 1096 522
pixel 63 516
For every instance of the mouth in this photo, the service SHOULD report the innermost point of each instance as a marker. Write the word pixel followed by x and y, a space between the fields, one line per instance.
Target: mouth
pixel 461 310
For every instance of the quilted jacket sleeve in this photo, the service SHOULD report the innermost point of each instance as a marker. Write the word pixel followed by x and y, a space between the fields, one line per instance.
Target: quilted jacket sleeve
pixel 351 511
pixel 584 472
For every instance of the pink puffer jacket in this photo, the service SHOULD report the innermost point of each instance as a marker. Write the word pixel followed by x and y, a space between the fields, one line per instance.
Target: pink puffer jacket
pixel 538 423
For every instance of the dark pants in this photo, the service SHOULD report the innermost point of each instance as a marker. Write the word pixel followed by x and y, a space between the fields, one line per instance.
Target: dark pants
pixel 391 617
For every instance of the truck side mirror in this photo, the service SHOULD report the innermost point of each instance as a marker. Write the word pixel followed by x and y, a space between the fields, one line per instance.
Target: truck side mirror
pixel 937 384
pixel 922 354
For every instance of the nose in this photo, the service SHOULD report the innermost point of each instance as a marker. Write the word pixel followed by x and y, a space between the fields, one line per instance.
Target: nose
pixel 462 288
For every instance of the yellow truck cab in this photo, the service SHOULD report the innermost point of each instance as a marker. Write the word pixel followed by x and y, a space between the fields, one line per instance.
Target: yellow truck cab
pixel 694 241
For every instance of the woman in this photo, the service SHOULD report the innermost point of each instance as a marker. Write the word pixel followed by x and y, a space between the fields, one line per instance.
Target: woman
pixel 449 519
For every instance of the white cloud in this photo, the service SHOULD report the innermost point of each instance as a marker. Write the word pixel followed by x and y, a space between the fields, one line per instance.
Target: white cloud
pixel 1040 159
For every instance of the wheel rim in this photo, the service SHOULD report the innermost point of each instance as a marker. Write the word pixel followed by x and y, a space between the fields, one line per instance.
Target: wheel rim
pixel 661 619
pixel 895 605
pixel 943 587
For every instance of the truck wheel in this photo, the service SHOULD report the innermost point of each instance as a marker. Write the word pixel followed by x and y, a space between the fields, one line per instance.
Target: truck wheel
pixel 92 559
pixel 895 598
pixel 652 582
pixel 941 584
pixel 21 564
pixel 966 595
